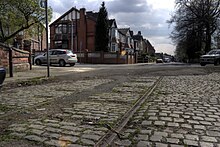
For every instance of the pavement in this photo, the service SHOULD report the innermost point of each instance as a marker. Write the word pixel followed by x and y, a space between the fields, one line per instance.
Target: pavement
pixel 42 71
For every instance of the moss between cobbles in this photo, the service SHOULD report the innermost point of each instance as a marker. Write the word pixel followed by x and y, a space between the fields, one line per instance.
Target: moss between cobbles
pixel 7 137
pixel 28 82
pixel 4 108
pixel 33 81
pixel 132 137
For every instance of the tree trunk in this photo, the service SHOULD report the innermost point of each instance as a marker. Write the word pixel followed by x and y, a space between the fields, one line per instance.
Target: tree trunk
pixel 208 39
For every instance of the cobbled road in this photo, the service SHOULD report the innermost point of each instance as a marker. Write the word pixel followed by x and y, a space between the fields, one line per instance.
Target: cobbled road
pixel 183 110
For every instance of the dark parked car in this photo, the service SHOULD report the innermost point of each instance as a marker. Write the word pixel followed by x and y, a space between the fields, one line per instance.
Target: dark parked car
pixel 212 57
pixel 2 75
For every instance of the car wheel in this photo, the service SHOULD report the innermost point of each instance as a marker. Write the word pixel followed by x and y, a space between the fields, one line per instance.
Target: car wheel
pixel 202 64
pixel 38 62
pixel 72 64
pixel 62 63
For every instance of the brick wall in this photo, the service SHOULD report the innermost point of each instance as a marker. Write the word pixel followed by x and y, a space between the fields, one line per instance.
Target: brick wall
pixel 105 58
pixel 20 60
pixel 3 57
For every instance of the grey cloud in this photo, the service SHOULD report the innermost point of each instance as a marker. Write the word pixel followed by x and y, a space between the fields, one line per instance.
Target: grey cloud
pixel 63 6
pixel 154 32
pixel 58 6
pixel 152 23
pixel 127 6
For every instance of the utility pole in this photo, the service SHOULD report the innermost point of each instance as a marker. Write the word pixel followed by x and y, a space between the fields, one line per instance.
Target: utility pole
pixel 72 34
pixel 44 4
pixel 47 47
pixel 76 33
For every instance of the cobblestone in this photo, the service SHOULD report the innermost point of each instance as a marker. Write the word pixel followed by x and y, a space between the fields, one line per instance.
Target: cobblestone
pixel 84 123
pixel 26 97
pixel 182 111
pixel 184 107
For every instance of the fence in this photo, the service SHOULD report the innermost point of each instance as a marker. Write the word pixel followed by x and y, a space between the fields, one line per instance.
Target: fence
pixel 105 58
pixel 13 59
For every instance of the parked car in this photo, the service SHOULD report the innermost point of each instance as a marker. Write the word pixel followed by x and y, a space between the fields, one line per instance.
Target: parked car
pixel 212 57
pixel 2 75
pixel 57 56
pixel 167 60
pixel 159 61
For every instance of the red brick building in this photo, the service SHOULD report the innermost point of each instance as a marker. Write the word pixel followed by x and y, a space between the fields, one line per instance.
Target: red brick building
pixel 148 48
pixel 34 38
pixel 74 30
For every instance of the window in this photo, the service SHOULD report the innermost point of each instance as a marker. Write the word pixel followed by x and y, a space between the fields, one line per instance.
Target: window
pixel 58 29
pixel 116 33
pixel 61 29
pixel 64 27
pixel 212 52
pixel 113 32
pixel 61 52
pixel 54 53
pixel 128 40
pixel 65 44
pixel 113 48
pixel 70 27
pixel 61 44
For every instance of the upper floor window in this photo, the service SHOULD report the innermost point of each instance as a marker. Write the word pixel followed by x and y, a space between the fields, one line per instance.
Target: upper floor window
pixel 61 29
pixel 113 48
pixel 113 32
pixel 128 40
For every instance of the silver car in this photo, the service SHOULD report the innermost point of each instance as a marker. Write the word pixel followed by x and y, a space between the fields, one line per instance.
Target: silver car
pixel 57 56
pixel 212 57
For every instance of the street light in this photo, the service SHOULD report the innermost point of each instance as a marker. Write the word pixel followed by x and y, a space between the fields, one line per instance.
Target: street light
pixel 43 4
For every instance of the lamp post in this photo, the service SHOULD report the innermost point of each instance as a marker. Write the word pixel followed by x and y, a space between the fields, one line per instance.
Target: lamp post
pixel 44 4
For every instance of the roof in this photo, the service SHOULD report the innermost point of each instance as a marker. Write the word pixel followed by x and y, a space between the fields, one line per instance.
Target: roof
pixel 62 16
pixel 111 22
pixel 92 15
pixel 124 31
pixel 138 36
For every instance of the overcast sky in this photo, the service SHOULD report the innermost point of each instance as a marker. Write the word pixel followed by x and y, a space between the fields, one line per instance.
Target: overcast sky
pixel 147 16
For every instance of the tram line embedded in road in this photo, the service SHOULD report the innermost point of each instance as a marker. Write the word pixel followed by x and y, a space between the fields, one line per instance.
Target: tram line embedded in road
pixel 114 132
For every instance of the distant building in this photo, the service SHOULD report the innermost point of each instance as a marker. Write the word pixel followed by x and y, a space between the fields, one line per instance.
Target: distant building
pixel 113 36
pixel 126 41
pixel 148 48
pixel 138 42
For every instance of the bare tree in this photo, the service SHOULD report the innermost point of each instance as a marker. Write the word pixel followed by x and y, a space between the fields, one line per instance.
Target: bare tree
pixel 195 22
